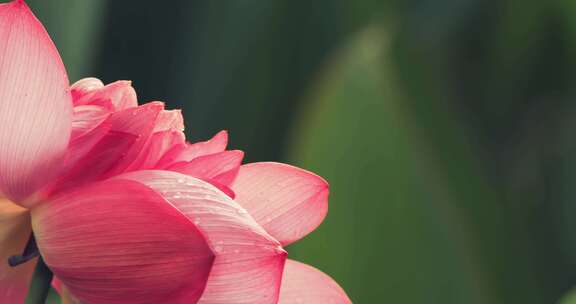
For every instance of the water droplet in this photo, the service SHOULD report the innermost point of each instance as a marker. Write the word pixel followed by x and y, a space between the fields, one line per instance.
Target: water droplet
pixel 241 211
pixel 218 249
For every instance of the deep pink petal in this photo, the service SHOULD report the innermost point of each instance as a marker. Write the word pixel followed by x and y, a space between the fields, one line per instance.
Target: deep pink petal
pixel 118 241
pixel 156 147
pixel 111 153
pixel 287 201
pixel 139 122
pixel 303 284
pixel 221 167
pixel 249 262
pixel 184 153
pixel 35 107
pixel 14 233
pixel 119 95
pixel 85 86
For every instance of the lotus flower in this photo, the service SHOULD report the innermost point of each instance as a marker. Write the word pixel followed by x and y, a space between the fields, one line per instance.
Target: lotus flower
pixel 123 209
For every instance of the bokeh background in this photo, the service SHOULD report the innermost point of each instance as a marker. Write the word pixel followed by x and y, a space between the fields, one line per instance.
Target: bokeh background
pixel 447 128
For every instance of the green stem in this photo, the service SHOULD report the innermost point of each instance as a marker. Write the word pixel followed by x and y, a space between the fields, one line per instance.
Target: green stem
pixel 40 285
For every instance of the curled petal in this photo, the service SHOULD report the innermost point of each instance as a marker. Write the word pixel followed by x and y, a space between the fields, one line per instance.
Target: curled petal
pixel 14 233
pixel 110 148
pixel 118 96
pixel 118 241
pixel 169 120
pixel 287 201
pixel 156 147
pixel 303 284
pixel 85 86
pixel 86 118
pixel 221 167
pixel 35 107
pixel 249 262
pixel 185 153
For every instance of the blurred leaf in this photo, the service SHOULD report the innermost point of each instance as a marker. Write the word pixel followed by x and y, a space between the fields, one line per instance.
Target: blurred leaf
pixel 395 232
pixel 569 298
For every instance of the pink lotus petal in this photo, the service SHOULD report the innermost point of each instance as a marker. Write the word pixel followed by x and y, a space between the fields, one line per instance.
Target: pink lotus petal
pixel 86 118
pixel 156 147
pixel 118 241
pixel 113 146
pixel 85 86
pixel 169 120
pixel 36 107
pixel 14 234
pixel 303 284
pixel 221 167
pixel 138 122
pixel 287 201
pixel 249 262
pixel 189 152
pixel 221 187
pixel 119 95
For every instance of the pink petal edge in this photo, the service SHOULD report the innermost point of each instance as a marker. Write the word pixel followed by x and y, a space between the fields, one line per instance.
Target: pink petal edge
pixel 287 201
pixel 249 262
pixel 188 152
pixel 36 107
pixel 304 284
pixel 118 241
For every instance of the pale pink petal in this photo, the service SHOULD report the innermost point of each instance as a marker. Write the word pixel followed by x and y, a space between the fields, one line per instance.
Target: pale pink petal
pixel 221 187
pixel 14 233
pixel 35 103
pixel 221 167
pixel 85 86
pixel 119 95
pixel 189 152
pixel 303 284
pixel 249 262
pixel 287 201
pixel 86 118
pixel 169 120
pixel 118 241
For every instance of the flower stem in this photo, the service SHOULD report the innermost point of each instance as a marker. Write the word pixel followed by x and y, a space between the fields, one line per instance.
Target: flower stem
pixel 40 285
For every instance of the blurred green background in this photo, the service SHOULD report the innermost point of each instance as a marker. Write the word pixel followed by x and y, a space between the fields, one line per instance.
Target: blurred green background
pixel 445 127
